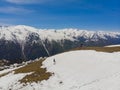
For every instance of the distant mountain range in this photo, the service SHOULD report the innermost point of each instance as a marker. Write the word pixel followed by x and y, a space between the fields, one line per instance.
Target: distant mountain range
pixel 18 43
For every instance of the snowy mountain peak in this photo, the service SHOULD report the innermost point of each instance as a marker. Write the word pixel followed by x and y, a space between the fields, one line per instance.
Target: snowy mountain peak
pixel 19 32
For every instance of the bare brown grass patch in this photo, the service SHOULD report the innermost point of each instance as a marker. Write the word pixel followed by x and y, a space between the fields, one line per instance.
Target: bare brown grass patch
pixel 38 73
pixel 101 49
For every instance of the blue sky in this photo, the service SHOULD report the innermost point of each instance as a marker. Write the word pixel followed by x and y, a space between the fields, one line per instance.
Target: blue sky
pixel 82 14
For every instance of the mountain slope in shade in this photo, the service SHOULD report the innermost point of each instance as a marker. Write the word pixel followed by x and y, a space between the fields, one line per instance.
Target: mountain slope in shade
pixel 18 43
pixel 74 70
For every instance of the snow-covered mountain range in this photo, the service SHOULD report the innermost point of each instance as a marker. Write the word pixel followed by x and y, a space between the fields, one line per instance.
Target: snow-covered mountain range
pixel 21 32
pixel 25 42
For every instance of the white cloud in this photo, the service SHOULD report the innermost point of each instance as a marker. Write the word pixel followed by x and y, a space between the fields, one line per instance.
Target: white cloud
pixel 27 1
pixel 38 1
pixel 14 10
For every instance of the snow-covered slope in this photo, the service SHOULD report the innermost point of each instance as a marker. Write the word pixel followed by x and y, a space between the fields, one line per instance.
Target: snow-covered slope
pixel 74 70
pixel 85 70
pixel 113 45
pixel 21 32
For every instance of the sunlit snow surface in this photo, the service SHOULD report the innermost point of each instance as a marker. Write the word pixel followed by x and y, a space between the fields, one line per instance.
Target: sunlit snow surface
pixel 118 45
pixel 74 70
pixel 86 70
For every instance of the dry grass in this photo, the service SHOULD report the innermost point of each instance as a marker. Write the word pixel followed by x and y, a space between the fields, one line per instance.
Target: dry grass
pixel 101 49
pixel 38 74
